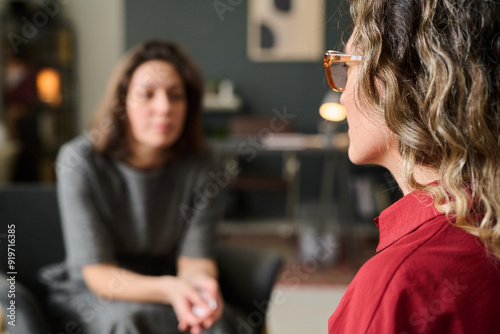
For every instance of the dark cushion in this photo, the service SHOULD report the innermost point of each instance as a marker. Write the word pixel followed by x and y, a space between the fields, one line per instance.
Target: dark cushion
pixel 34 212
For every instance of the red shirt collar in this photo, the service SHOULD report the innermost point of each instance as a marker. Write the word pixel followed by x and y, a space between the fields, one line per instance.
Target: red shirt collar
pixel 404 217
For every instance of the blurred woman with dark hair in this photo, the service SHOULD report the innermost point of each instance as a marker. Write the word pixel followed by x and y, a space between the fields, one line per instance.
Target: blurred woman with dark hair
pixel 421 85
pixel 138 223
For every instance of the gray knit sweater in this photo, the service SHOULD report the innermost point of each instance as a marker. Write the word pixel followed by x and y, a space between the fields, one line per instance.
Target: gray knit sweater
pixel 141 220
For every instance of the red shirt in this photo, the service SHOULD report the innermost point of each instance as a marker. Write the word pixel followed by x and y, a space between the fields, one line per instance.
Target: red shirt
pixel 427 277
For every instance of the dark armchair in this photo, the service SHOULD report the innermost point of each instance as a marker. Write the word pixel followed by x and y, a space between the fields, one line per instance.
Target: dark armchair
pixel 247 276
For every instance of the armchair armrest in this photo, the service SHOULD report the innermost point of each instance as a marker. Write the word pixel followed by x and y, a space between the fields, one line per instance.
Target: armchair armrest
pixel 247 277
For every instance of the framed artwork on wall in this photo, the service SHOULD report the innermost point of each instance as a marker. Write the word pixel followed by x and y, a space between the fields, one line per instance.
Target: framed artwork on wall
pixel 286 30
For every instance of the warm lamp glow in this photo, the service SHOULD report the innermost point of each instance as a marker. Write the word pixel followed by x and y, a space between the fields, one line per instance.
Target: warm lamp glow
pixel 334 112
pixel 48 85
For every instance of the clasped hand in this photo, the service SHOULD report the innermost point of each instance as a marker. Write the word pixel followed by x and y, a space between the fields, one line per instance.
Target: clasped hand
pixel 197 302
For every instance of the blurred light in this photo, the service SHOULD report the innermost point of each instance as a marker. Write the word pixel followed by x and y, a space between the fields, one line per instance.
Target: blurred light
pixel 334 112
pixel 48 85
pixel 331 109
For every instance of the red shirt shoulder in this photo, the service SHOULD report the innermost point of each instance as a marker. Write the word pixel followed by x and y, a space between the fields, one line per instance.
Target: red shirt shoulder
pixel 434 279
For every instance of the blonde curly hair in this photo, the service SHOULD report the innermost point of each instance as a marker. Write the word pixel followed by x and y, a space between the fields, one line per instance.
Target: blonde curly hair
pixel 437 62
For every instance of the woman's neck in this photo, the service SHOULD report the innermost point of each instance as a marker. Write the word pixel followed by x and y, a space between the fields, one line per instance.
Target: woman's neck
pixel 146 158
pixel 422 174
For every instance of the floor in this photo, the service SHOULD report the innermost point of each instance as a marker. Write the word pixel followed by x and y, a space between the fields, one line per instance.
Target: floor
pixel 302 309
pixel 309 288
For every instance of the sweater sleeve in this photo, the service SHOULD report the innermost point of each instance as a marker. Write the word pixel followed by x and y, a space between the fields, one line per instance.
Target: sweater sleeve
pixel 86 238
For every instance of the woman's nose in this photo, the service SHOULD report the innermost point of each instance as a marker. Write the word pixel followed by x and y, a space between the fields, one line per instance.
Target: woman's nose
pixel 162 103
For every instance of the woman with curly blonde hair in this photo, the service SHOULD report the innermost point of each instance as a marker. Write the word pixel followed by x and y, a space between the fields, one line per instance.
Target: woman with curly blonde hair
pixel 421 85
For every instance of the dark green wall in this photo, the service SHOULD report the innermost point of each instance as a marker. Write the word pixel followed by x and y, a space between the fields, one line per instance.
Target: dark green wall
pixel 219 46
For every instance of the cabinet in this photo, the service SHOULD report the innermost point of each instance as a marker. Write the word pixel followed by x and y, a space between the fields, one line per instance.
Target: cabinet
pixel 37 85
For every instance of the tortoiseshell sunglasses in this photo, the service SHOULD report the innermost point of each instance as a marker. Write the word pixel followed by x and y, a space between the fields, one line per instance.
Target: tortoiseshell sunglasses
pixel 336 68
